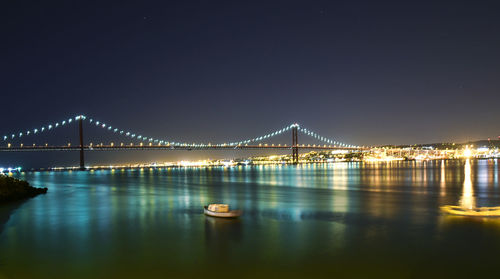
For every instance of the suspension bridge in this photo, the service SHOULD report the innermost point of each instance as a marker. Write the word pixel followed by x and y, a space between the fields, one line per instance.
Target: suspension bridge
pixel 12 142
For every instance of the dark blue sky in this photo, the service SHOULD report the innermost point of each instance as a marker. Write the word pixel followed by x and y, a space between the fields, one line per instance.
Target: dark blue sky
pixel 363 72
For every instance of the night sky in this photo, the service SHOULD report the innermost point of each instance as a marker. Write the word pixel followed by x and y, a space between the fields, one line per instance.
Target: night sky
pixel 362 72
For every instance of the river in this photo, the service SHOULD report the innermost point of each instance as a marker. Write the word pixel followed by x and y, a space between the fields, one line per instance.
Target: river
pixel 357 220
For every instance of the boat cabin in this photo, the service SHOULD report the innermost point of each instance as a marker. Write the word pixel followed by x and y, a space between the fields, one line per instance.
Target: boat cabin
pixel 221 208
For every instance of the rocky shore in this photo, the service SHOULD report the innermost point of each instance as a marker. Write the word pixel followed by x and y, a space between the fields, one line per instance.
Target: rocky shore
pixel 12 189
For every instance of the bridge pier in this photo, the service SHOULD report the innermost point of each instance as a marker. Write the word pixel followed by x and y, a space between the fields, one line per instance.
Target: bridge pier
pixel 82 159
pixel 295 146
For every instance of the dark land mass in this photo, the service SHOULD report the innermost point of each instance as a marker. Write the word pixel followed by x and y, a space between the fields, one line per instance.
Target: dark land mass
pixel 12 189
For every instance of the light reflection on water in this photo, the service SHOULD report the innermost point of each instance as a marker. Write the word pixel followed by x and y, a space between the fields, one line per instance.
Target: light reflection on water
pixel 355 219
pixel 468 200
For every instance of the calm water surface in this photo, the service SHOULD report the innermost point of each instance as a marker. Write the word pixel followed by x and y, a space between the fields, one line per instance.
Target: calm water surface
pixel 311 221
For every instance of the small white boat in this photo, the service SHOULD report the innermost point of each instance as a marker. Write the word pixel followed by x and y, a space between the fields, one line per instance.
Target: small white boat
pixel 221 210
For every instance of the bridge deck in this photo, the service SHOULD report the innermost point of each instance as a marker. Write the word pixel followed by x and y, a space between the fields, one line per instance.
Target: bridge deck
pixel 165 147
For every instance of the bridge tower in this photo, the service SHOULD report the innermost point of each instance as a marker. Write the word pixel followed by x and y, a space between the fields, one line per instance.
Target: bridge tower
pixel 295 145
pixel 80 128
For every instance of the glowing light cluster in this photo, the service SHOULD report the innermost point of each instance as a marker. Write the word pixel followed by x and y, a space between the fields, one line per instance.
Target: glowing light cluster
pixel 467 152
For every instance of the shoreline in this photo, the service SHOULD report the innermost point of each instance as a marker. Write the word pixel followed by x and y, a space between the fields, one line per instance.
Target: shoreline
pixel 178 166
pixel 13 189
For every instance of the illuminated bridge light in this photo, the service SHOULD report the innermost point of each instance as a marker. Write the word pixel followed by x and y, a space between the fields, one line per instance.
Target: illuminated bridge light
pixel 229 143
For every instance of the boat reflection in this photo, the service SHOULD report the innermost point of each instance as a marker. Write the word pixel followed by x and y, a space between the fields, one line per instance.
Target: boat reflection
pixel 467 201
pixel 467 206
pixel 221 234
